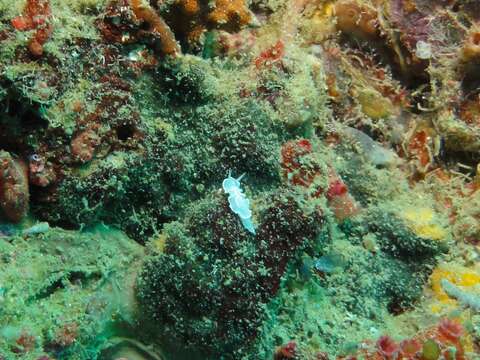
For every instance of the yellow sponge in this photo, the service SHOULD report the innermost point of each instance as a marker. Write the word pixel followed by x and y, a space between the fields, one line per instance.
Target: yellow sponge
pixel 423 223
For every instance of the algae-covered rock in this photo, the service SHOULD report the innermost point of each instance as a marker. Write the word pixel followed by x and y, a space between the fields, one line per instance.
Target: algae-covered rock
pixel 458 135
pixel 223 275
pixel 397 238
pixel 62 291
pixel 120 189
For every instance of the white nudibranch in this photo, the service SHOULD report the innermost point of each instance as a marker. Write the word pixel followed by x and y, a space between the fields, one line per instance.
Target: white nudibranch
pixel 239 203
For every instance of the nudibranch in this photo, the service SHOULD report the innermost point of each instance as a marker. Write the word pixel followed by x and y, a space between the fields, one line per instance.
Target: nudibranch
pixel 239 203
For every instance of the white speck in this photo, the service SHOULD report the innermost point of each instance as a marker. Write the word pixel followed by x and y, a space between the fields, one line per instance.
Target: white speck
pixel 423 50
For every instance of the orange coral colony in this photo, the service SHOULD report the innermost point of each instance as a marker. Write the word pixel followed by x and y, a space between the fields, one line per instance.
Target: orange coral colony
pixel 157 26
pixel 191 18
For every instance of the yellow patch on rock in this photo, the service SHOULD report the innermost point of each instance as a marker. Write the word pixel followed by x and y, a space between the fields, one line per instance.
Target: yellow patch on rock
pixel 423 223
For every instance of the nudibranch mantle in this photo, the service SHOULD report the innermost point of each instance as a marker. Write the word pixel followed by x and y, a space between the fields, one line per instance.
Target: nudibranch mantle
pixel 238 202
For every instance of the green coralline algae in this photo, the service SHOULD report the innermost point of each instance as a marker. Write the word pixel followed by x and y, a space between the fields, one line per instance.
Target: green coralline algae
pixel 62 291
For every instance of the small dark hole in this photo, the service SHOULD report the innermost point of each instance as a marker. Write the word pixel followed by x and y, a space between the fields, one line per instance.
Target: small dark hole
pixel 145 26
pixel 471 82
pixel 125 132
pixel 452 158
pixel 395 308
pixel 31 120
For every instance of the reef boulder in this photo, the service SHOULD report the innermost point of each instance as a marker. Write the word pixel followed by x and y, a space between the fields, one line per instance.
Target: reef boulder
pixel 14 193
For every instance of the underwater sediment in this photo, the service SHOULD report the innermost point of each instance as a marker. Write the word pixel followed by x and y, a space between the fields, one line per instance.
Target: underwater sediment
pixel 231 179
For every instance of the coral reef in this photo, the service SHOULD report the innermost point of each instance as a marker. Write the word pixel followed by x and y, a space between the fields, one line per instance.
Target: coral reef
pixel 355 122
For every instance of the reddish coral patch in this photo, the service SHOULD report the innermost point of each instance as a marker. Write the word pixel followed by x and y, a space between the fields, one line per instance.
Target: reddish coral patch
pixel 270 56
pixel 409 348
pixel 387 347
pixel 36 16
pixel 287 351
pixel 450 330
